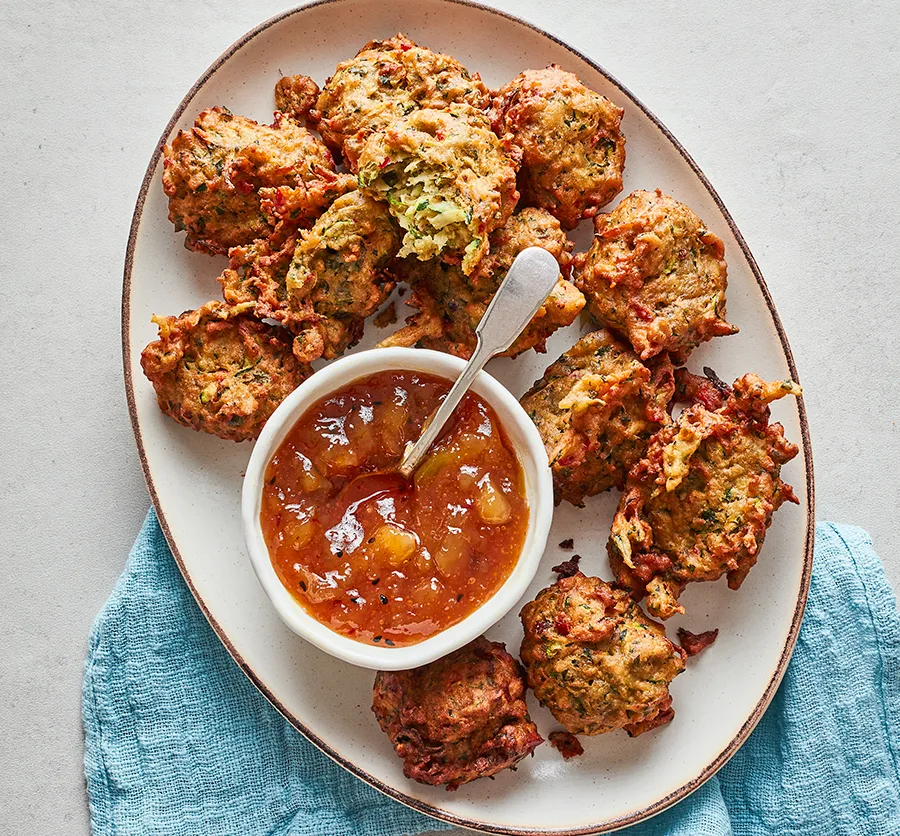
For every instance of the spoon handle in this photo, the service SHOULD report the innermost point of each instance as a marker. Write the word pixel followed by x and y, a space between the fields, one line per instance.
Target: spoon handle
pixel 530 279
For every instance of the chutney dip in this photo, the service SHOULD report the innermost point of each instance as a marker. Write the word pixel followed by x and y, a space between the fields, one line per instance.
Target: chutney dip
pixel 376 557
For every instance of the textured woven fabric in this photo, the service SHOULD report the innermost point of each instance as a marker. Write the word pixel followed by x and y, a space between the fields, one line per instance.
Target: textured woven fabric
pixel 179 743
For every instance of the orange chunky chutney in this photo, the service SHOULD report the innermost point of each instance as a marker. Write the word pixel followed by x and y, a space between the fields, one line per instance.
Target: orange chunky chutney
pixel 376 557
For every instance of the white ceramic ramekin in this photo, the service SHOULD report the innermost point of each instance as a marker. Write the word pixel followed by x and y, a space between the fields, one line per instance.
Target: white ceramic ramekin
pixel 538 485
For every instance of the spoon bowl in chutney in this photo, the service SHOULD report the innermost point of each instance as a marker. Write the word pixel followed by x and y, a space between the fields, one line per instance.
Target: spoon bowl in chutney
pixel 379 570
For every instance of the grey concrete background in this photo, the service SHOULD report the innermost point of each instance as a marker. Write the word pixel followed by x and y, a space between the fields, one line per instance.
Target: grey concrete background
pixel 789 108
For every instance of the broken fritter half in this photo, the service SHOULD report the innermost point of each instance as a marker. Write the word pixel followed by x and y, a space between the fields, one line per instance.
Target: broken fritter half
pixel 322 282
pixel 596 661
pixel 384 81
pixel 450 304
pixel 697 506
pixel 230 180
pixel 655 274
pixel 457 719
pixel 445 178
pixel 596 408
pixel 568 137
pixel 219 370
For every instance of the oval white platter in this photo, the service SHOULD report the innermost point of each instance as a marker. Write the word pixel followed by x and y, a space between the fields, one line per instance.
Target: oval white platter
pixel 195 479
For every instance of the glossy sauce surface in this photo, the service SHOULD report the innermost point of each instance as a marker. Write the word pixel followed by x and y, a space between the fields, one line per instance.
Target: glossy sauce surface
pixel 376 557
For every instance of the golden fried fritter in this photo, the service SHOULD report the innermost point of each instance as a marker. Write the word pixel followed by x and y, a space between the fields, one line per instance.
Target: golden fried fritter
pixel 339 263
pixel 596 408
pixel 446 179
pixel 450 304
pixel 219 370
pixel 656 274
pixel 295 96
pixel 230 180
pixel 387 80
pixel 698 505
pixel 257 276
pixel 568 136
pixel 322 283
pixel 529 227
pixel 595 660
pixel 457 719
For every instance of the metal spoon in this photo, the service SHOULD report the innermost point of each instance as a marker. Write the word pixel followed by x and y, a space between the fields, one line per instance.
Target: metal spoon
pixel 527 285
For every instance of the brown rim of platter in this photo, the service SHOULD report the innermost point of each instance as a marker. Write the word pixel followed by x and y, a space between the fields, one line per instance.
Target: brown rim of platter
pixel 434 812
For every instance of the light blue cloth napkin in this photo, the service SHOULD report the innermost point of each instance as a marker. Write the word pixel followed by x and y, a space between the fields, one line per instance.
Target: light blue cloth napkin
pixel 179 743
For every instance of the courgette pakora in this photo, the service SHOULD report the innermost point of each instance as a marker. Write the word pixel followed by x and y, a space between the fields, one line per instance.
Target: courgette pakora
pixel 656 275
pixel 384 81
pixel 457 719
pixel 596 408
pixel 323 282
pixel 569 140
pixel 450 304
pixel 446 179
pixel 596 661
pixel 219 370
pixel 231 181
pixel 698 505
